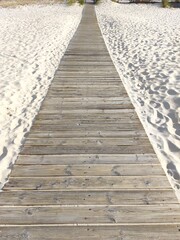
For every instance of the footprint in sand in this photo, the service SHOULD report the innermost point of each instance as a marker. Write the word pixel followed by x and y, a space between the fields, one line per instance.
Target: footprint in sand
pixel 172 171
pixel 4 154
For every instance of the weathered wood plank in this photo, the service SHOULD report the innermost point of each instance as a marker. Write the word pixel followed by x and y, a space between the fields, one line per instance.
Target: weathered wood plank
pixel 92 68
pixel 87 170
pixel 59 120
pixel 86 103
pixel 76 133
pixel 90 214
pixel 113 100
pixel 100 197
pixel 88 182
pixel 86 149
pixel 86 62
pixel 91 142
pixel 73 78
pixel 83 93
pixel 83 87
pixel 97 111
pixel 88 126
pixel 141 232
pixel 87 159
pixel 93 116
pixel 88 106
pixel 63 81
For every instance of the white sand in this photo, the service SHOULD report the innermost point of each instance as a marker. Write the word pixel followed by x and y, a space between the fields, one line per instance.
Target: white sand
pixel 32 41
pixel 144 43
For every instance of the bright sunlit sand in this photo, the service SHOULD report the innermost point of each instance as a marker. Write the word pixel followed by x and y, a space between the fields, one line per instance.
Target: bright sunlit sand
pixel 33 40
pixel 144 43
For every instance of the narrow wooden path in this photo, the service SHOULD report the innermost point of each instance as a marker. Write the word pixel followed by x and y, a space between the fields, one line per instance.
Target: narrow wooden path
pixel 87 169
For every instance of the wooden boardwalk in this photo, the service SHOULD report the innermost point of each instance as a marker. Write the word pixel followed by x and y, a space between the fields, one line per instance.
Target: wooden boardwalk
pixel 87 169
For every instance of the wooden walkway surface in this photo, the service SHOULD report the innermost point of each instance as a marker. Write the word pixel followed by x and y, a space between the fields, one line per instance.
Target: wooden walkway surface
pixel 87 169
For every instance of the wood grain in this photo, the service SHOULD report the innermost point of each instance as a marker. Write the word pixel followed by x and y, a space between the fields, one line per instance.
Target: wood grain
pixel 88 197
pixel 87 170
pixel 87 182
pixel 142 232
pixel 74 159
pixel 90 214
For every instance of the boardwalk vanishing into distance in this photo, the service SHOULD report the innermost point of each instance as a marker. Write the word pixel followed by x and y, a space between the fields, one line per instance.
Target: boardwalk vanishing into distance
pixel 87 169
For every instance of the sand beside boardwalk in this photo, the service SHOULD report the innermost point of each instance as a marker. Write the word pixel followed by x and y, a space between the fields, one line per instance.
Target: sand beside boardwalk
pixel 144 43
pixel 33 40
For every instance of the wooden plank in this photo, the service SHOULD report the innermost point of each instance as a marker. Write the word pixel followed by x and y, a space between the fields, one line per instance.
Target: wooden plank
pixel 84 93
pixel 60 80
pixel 83 87
pixel 86 74
pixel 81 100
pixel 87 170
pixel 87 197
pixel 90 214
pixel 113 100
pixel 60 119
pixel 97 111
pixel 87 182
pixel 141 232
pixel 92 68
pixel 63 81
pixel 86 149
pixel 88 126
pixel 85 62
pixel 88 106
pixel 75 78
pixel 88 159
pixel 76 133
pixel 44 118
pixel 90 116
pixel 80 92
pixel 90 141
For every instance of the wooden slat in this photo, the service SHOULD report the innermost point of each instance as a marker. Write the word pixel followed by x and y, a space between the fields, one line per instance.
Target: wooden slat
pixel 101 116
pixel 97 111
pixel 81 182
pixel 87 141
pixel 87 170
pixel 142 232
pixel 121 114
pixel 88 159
pixel 114 100
pixel 129 149
pixel 90 214
pixel 89 112
pixel 87 197
pixel 61 118
pixel 85 133
pixel 88 105
pixel 90 126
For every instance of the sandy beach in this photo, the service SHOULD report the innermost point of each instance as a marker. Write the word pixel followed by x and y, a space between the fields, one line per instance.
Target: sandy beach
pixel 33 41
pixel 144 44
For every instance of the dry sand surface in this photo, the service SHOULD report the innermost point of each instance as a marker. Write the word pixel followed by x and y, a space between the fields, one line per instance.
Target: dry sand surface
pixel 33 40
pixel 15 3
pixel 144 43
